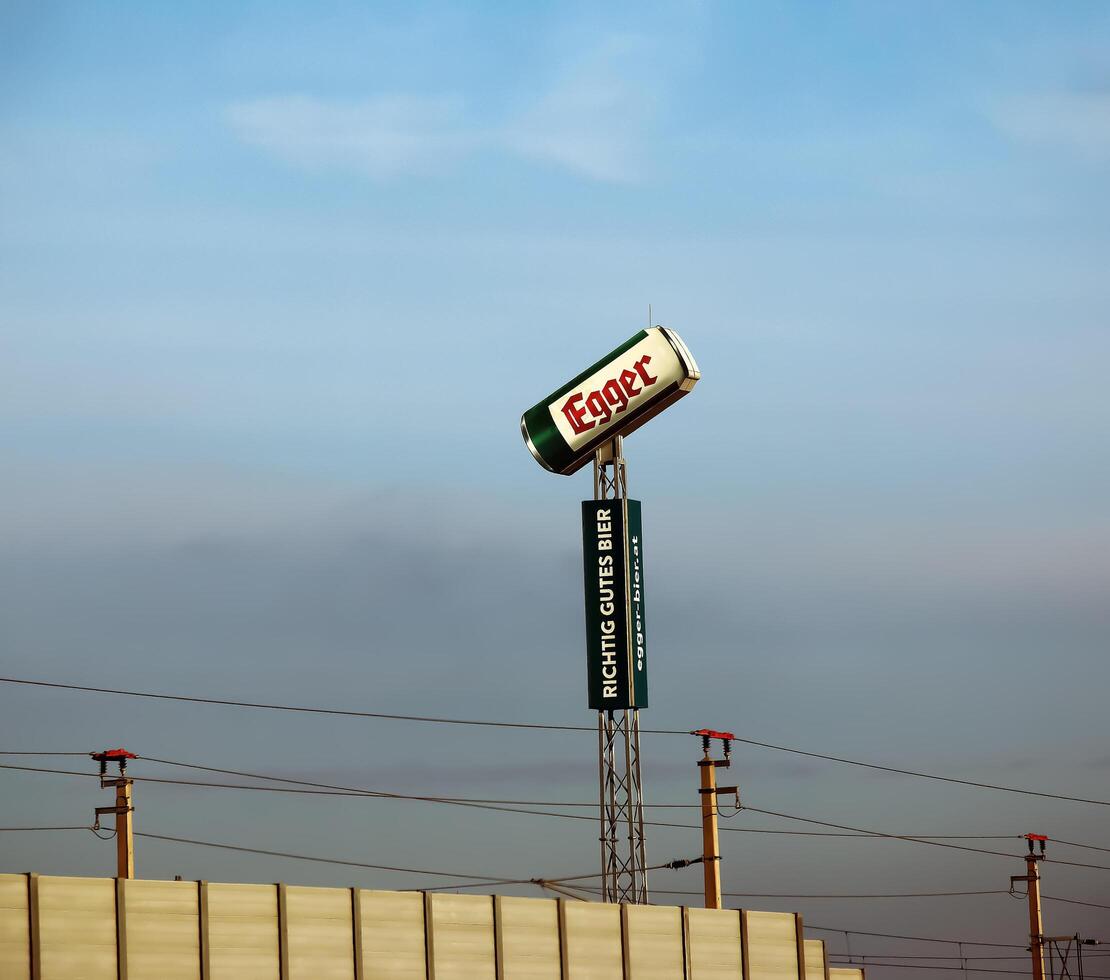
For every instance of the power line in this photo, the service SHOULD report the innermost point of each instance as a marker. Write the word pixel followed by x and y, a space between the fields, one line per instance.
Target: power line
pixel 508 806
pixel 434 799
pixel 479 880
pixel 916 939
pixel 317 711
pixel 352 792
pixel 933 966
pixel 486 879
pixel 671 891
pixel 1071 843
pixel 3 829
pixel 429 719
pixel 921 775
pixel 942 956
pixel 86 754
pixel 1075 901
pixel 916 840
pixel 303 782
pixel 996 891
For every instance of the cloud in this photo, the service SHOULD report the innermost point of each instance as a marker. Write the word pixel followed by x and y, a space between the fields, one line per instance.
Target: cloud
pixel 594 118
pixel 381 137
pixel 591 120
pixel 1077 121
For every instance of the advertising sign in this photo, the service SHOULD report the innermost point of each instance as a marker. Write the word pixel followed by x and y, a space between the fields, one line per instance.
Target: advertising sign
pixel 616 629
pixel 611 398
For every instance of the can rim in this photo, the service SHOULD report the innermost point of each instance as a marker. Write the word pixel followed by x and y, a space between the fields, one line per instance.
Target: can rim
pixel 532 448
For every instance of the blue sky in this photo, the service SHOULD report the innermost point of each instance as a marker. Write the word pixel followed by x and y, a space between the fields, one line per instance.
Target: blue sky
pixel 277 280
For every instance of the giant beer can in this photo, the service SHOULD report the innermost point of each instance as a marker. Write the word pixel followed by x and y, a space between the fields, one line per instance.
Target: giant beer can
pixel 611 398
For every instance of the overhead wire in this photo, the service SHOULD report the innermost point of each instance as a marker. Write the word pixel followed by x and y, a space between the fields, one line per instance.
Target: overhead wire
pixel 994 891
pixel 508 806
pixel 347 713
pixel 916 939
pixel 479 881
pixel 916 840
pixel 487 723
pixel 941 956
pixel 486 879
pixel 11 829
pixel 957 894
pixel 45 753
pixel 351 792
pixel 933 966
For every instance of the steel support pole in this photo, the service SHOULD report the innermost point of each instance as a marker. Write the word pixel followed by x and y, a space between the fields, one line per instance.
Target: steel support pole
pixel 621 806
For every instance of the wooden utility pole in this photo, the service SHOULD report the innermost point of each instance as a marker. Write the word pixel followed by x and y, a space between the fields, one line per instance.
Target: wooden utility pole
pixel 123 809
pixel 1032 881
pixel 708 792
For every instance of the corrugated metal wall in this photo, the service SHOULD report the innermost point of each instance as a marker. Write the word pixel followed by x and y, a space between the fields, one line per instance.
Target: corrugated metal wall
pixel 106 929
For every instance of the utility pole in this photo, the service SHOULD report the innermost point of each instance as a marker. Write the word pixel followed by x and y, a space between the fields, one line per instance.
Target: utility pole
pixel 708 792
pixel 1032 881
pixel 125 840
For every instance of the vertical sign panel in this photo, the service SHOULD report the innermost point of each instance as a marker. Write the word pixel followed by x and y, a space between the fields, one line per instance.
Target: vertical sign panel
pixel 637 622
pixel 616 628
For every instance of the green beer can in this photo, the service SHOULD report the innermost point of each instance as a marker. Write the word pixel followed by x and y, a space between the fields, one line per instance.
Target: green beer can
pixel 611 398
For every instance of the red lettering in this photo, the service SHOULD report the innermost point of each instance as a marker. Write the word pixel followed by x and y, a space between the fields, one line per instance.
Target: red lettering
pixel 576 415
pixel 628 382
pixel 584 410
pixel 596 404
pixel 615 396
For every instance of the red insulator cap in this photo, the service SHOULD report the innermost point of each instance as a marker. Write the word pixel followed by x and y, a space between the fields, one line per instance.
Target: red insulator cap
pixel 710 733
pixel 114 754
pixel 1035 837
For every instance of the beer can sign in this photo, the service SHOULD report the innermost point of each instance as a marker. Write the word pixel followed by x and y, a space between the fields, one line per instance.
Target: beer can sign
pixel 611 398
pixel 616 628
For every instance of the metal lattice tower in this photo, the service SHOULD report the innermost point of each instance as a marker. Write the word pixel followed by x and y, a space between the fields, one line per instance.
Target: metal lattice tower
pixel 623 850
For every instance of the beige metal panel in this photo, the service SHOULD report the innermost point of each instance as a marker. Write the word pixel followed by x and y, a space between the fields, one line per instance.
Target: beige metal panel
pixel 15 928
pixel 77 928
pixel 392 935
pixel 321 935
pixel 713 944
pixel 815 959
pixel 462 942
pixel 772 946
pixel 845 973
pixel 163 931
pixel 529 938
pixel 654 936
pixel 243 932
pixel 593 941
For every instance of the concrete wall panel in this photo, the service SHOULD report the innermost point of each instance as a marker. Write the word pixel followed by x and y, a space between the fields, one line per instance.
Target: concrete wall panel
pixel 321 933
pixel 161 930
pixel 392 935
pixel 772 946
pixel 655 944
pixel 15 927
pixel 713 944
pixel 815 964
pixel 77 928
pixel 461 940
pixel 243 932
pixel 528 947
pixel 592 938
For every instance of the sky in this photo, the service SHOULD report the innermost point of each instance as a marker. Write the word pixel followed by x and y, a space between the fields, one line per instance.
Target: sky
pixel 277 281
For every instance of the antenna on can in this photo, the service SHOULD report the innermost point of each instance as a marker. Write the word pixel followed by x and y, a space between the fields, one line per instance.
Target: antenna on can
pixel 649 316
